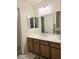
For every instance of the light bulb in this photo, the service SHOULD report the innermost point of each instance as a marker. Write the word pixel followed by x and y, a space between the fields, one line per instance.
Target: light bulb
pixel 46 7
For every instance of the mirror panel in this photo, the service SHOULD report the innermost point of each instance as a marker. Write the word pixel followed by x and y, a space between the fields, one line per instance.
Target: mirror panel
pixel 51 23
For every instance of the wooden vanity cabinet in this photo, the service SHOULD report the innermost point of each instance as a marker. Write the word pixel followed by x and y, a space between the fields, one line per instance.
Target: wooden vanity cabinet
pixel 30 44
pixel 44 48
pixel 36 46
pixel 55 51
pixel 47 49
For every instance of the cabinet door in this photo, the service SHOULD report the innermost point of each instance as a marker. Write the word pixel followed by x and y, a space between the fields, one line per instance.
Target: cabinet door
pixel 30 44
pixel 36 46
pixel 55 53
pixel 44 50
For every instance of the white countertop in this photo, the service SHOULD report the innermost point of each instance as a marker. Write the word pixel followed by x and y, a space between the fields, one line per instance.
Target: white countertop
pixel 47 37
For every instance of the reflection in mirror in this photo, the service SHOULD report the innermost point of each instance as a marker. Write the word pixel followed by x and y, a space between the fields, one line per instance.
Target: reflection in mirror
pixel 47 23
pixel 42 24
pixel 36 22
pixel 58 22
pixel 31 23
pixel 51 23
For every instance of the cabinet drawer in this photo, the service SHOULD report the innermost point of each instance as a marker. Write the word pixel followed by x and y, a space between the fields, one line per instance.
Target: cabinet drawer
pixel 56 45
pixel 36 41
pixel 29 40
pixel 44 42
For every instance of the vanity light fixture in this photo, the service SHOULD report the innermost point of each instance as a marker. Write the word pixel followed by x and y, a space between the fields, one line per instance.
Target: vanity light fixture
pixel 46 7
pixel 43 8
pixel 28 16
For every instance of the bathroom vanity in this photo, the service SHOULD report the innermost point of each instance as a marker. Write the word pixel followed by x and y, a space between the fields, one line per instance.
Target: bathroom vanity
pixel 44 35
pixel 50 49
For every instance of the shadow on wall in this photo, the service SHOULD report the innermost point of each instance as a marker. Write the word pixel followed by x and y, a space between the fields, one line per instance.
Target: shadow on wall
pixel 18 33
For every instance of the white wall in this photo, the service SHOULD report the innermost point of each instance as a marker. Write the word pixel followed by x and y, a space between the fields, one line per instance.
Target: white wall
pixel 25 10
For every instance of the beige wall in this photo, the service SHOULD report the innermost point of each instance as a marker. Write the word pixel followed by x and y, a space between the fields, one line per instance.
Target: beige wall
pixel 25 10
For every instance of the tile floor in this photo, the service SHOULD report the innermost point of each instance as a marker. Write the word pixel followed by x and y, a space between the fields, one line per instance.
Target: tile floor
pixel 26 56
pixel 29 55
pixel 19 50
